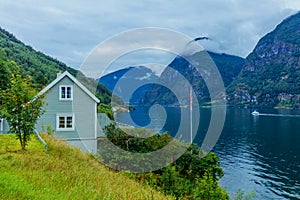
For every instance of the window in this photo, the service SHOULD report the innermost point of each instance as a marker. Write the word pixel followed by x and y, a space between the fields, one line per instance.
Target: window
pixel 65 122
pixel 65 92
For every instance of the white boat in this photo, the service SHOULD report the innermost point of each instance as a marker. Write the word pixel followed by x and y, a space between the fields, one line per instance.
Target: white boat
pixel 255 113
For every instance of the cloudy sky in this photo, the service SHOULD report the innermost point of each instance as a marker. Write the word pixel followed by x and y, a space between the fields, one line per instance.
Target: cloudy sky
pixel 69 29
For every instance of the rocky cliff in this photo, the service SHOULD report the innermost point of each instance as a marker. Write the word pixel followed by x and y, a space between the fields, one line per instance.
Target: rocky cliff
pixel 271 73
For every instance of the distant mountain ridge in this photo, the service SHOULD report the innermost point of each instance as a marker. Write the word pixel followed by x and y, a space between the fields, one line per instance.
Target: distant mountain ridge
pixel 122 81
pixel 110 80
pixel 229 67
pixel 271 73
pixel 138 73
pixel 149 94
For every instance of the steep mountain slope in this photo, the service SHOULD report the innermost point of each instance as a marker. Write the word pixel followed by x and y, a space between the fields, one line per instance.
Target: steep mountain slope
pixel 229 67
pixel 41 68
pixel 271 74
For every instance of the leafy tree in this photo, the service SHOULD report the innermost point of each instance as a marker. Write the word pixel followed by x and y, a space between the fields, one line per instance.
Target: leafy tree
pixel 4 74
pixel 105 108
pixel 21 107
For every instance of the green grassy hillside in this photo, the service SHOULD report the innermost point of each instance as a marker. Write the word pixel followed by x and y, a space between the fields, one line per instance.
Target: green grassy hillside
pixel 62 173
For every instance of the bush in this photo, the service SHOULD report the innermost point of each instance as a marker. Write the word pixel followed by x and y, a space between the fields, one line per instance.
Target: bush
pixel 104 108
pixel 190 176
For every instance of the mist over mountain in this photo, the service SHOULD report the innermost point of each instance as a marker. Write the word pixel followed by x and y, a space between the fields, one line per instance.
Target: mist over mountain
pixel 268 77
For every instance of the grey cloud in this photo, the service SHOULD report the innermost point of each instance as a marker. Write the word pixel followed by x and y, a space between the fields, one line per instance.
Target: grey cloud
pixel 70 29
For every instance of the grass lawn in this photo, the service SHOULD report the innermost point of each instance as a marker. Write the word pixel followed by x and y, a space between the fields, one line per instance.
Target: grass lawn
pixel 62 173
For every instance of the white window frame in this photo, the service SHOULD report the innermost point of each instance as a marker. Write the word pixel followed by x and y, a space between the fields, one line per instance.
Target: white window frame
pixel 1 124
pixel 60 92
pixel 65 115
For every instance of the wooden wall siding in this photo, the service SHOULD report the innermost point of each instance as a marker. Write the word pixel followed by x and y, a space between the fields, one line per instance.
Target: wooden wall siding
pixel 82 106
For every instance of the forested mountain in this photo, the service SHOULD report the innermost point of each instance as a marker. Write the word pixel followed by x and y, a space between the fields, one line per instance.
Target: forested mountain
pixel 271 74
pixel 269 77
pixel 42 69
pixel 229 67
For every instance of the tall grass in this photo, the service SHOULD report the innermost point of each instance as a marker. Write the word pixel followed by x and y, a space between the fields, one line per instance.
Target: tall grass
pixel 62 173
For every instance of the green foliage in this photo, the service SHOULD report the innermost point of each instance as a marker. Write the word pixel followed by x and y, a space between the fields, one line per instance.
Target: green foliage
pixel 50 130
pixel 4 75
pixel 206 188
pixel 105 108
pixel 190 176
pixel 21 107
pixel 240 195
pixel 40 67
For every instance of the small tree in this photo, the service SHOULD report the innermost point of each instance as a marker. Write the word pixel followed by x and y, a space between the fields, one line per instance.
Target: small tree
pixel 21 107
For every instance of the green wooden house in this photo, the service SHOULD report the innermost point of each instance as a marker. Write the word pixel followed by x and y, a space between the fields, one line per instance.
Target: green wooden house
pixel 71 111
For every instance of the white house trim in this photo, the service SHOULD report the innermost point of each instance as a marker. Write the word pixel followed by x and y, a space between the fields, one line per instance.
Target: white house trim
pixel 96 121
pixel 65 115
pixel 53 83
pixel 66 97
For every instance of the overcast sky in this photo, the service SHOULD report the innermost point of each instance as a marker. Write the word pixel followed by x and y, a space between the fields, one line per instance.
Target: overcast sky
pixel 69 29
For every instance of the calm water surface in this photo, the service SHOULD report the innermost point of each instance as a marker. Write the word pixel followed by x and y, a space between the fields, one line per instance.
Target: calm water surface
pixel 258 153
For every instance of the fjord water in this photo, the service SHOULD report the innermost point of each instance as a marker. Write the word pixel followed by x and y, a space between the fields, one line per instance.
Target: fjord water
pixel 257 153
pixel 261 153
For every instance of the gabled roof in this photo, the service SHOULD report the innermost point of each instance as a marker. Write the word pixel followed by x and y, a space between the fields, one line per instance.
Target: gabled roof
pixel 60 77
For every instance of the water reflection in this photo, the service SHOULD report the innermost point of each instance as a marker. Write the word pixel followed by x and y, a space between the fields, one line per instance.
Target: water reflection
pixel 265 158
